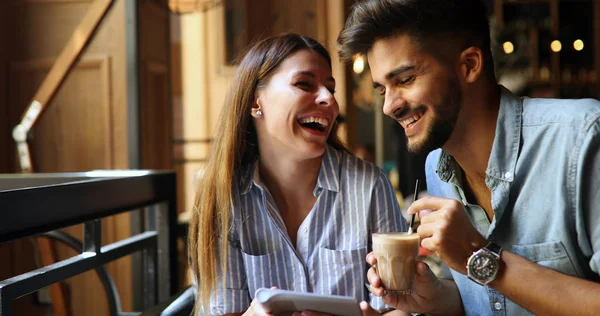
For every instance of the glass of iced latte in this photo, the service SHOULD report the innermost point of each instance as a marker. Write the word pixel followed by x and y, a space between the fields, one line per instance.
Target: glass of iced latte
pixel 396 255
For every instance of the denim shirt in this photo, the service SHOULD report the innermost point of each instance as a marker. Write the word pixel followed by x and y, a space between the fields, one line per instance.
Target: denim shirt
pixel 544 176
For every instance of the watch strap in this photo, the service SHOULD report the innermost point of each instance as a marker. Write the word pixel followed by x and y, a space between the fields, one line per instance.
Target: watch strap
pixel 494 248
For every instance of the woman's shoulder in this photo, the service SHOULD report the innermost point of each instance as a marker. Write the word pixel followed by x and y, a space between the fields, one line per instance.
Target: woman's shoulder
pixel 353 166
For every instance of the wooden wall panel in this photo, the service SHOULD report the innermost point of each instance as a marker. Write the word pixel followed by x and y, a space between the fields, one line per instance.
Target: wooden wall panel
pixel 20 248
pixel 5 129
pixel 74 122
pixel 85 126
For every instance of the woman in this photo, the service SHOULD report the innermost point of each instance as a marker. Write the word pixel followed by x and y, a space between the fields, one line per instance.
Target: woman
pixel 281 203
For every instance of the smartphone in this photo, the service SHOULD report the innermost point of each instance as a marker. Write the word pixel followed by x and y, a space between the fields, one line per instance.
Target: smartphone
pixel 287 302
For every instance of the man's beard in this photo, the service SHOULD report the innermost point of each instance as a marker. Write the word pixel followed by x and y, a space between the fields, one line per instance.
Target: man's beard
pixel 443 123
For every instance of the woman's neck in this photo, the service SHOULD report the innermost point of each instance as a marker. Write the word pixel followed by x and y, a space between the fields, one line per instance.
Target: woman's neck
pixel 289 180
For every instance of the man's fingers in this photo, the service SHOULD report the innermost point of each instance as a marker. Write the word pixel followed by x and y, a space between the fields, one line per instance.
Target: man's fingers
pixel 426 230
pixel 430 203
pixel 424 213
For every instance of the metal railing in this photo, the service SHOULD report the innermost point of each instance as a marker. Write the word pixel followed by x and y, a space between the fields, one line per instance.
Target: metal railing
pixel 39 204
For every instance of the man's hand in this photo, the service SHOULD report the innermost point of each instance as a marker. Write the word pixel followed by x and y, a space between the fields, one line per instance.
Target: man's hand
pixel 447 231
pixel 431 295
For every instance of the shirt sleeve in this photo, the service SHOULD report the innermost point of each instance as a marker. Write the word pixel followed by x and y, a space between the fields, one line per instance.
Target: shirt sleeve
pixel 588 193
pixel 234 296
pixel 386 217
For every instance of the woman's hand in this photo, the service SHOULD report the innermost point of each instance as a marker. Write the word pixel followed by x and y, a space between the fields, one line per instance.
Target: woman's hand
pixel 256 309
pixel 428 296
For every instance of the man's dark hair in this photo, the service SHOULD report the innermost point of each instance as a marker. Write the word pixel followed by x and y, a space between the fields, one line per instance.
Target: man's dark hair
pixel 439 27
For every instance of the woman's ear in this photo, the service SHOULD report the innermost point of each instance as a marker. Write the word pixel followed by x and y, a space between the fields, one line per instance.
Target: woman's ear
pixel 256 110
pixel 471 64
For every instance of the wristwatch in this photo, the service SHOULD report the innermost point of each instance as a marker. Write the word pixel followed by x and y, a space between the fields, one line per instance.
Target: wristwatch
pixel 483 264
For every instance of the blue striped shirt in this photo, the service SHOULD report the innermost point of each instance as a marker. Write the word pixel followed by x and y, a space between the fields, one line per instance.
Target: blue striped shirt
pixel 354 200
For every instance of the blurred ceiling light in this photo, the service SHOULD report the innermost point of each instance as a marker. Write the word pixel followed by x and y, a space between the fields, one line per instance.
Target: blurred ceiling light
pixel 509 48
pixel 359 64
pixel 555 46
pixel 578 45
pixel 190 6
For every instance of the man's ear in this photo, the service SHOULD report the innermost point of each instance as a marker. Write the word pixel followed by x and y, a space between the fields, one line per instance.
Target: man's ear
pixel 471 64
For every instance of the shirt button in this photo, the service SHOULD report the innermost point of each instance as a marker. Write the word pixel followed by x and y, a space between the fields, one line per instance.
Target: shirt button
pixel 319 191
pixel 497 306
pixel 508 175
pixel 305 230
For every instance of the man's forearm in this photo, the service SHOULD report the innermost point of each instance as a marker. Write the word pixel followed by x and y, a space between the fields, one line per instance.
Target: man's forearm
pixel 544 291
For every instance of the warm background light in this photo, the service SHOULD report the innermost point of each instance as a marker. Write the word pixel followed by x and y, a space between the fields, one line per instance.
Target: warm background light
pixel 508 47
pixel 359 65
pixel 556 46
pixel 578 45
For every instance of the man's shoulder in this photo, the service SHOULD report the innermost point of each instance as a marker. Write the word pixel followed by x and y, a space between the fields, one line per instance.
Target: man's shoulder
pixel 433 158
pixel 571 112
pixel 435 185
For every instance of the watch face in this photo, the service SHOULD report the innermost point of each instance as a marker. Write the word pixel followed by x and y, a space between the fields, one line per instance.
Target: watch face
pixel 483 266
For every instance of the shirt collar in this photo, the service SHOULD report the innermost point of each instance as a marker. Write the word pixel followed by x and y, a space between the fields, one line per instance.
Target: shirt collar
pixel 505 149
pixel 328 173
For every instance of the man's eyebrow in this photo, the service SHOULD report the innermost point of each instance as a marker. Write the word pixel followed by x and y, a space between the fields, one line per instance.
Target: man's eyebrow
pixel 394 73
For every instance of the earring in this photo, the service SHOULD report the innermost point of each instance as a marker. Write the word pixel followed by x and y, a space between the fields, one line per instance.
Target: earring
pixel 258 112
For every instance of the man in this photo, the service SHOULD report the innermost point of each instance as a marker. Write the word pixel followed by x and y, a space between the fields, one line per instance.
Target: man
pixel 514 182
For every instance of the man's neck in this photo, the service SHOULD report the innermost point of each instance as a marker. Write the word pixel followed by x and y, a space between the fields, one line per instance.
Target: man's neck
pixel 471 144
pixel 473 137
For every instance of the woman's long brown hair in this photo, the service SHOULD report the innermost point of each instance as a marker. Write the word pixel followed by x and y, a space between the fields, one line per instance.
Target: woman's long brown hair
pixel 234 147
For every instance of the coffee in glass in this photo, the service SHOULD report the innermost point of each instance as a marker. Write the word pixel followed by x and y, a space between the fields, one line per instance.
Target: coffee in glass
pixel 396 255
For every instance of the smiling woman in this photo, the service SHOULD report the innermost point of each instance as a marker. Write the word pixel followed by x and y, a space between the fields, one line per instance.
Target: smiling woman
pixel 281 202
